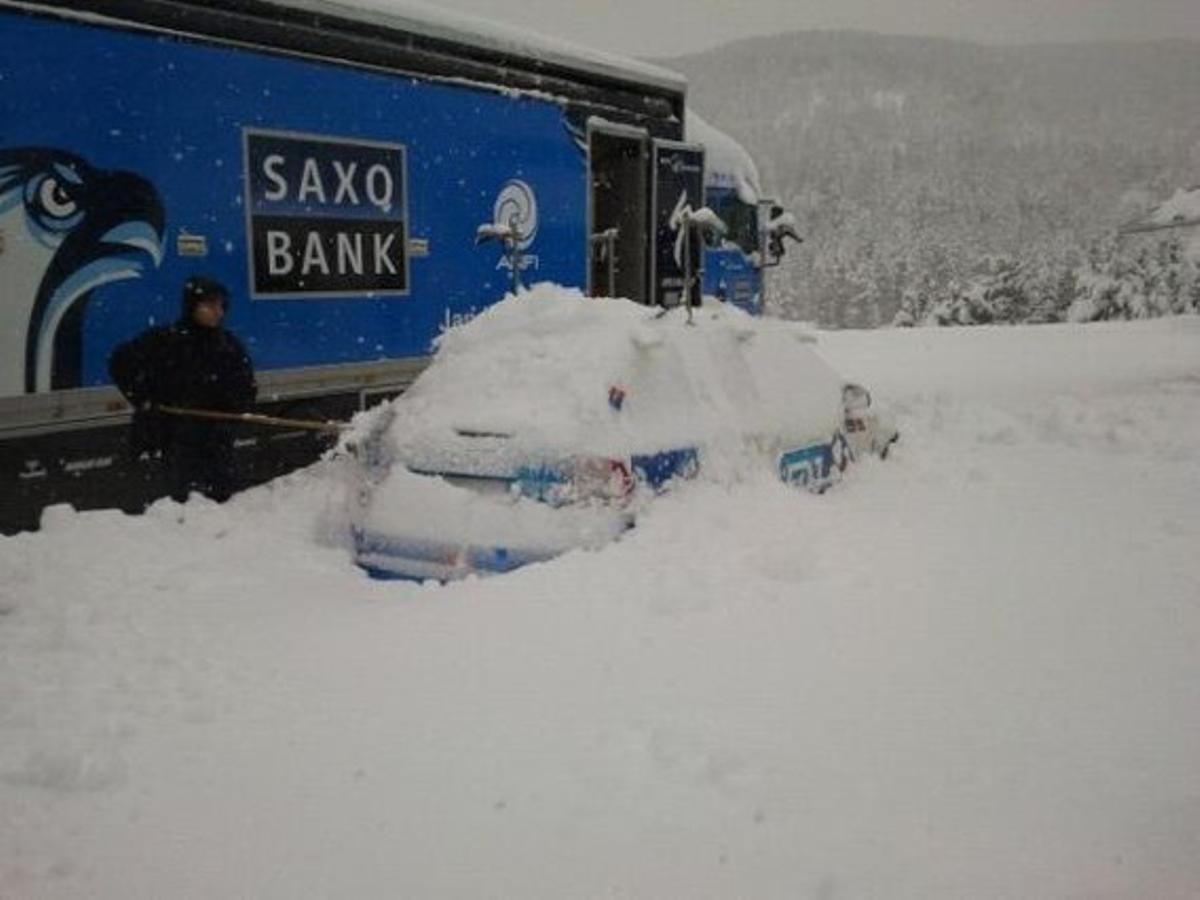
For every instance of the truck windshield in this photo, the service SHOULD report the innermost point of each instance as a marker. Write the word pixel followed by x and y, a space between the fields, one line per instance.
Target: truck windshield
pixel 741 219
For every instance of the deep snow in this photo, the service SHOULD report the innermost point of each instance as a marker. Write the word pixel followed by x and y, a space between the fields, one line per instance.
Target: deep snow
pixel 530 382
pixel 970 671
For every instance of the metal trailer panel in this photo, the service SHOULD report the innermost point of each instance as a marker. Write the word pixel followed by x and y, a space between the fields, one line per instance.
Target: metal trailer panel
pixel 177 115
pixel 94 107
pixel 677 175
pixel 428 43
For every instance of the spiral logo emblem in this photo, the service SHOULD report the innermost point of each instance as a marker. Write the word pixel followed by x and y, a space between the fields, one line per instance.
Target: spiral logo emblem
pixel 516 207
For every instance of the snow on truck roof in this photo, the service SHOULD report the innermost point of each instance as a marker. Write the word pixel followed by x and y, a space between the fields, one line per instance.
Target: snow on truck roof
pixel 726 162
pixel 459 28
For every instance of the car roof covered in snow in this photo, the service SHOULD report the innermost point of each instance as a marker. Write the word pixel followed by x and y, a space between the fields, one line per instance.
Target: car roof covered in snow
pixel 608 376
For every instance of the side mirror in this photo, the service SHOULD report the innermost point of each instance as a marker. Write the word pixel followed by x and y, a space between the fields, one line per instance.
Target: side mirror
pixel 855 397
pixel 776 228
pixel 781 228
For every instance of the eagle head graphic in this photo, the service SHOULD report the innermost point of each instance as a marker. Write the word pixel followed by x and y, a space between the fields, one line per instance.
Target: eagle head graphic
pixel 66 228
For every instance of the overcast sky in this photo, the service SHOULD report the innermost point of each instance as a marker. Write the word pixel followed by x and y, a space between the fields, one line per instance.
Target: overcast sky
pixel 672 27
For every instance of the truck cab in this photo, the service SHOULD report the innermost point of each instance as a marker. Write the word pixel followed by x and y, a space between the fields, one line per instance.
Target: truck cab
pixel 756 226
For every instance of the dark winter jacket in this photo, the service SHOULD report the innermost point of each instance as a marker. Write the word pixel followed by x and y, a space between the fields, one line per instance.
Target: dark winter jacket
pixel 184 365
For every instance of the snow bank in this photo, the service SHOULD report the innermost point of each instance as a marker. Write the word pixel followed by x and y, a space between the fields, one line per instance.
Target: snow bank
pixel 990 363
pixel 971 671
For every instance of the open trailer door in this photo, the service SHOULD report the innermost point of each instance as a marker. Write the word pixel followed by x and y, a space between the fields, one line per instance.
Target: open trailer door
pixel 618 200
pixel 677 191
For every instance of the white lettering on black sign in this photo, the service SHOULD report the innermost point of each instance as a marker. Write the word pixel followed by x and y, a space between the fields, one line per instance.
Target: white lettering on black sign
pixel 327 216
pixel 679 180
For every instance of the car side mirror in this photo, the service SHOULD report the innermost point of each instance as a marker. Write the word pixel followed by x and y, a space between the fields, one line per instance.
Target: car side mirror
pixel 855 397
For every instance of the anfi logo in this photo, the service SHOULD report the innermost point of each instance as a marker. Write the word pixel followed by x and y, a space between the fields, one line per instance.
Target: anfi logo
pixel 516 208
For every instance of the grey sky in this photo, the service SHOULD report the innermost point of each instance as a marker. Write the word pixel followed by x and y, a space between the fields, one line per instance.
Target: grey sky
pixel 670 27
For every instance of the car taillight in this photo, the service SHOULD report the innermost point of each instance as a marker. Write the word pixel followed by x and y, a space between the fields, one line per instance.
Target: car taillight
pixel 600 478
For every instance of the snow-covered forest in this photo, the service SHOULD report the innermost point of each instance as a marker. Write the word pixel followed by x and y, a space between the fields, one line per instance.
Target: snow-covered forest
pixel 940 181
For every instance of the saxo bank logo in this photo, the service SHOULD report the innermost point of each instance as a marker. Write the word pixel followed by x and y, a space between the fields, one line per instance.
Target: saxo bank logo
pixel 516 209
pixel 326 216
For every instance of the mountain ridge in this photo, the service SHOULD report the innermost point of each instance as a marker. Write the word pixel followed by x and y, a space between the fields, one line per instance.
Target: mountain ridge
pixel 911 161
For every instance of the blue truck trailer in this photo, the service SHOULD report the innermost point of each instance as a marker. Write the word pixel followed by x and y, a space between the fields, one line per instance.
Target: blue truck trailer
pixel 337 167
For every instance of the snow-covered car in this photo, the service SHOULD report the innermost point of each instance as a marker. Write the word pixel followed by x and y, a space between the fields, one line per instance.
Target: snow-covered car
pixel 548 421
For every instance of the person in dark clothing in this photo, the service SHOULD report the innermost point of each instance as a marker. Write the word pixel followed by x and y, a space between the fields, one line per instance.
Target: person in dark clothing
pixel 193 364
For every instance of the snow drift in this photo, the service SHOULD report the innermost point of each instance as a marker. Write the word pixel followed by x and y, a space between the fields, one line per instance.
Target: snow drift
pixel 971 671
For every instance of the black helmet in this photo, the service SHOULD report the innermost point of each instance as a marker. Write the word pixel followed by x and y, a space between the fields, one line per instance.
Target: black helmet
pixel 199 288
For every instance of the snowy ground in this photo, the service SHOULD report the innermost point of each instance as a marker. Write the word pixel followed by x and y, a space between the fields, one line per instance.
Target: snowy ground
pixel 970 671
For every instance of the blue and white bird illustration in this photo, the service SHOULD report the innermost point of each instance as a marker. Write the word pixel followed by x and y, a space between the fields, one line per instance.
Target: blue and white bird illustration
pixel 65 229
